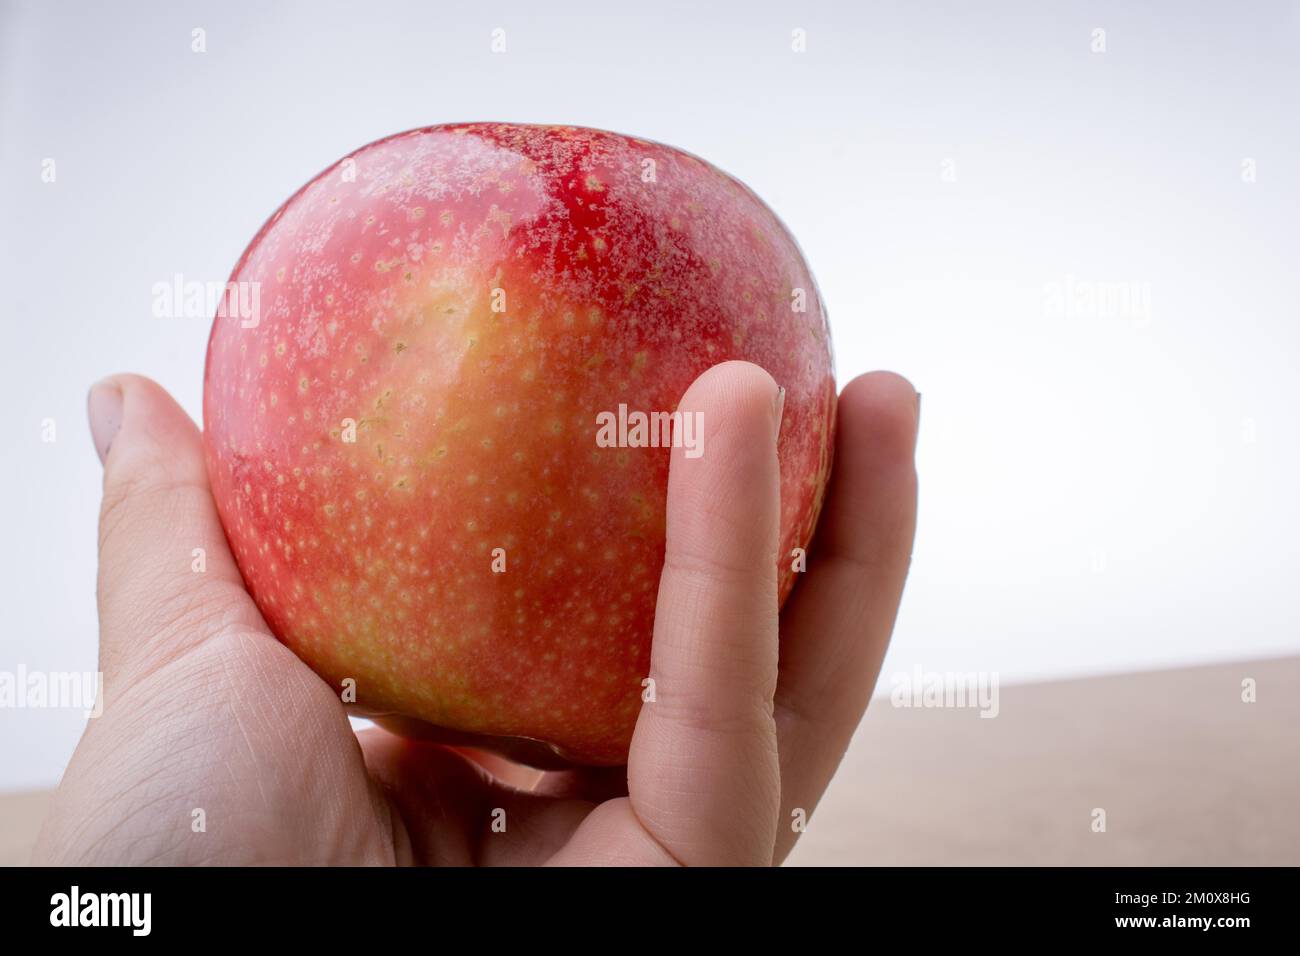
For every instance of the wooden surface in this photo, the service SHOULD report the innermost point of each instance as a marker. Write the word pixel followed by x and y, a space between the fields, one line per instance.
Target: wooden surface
pixel 1186 772
pixel 20 818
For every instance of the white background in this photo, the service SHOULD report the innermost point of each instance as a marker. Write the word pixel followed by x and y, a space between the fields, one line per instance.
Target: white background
pixel 1098 492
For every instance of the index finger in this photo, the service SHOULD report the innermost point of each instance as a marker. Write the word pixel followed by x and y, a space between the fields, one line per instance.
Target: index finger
pixel 702 773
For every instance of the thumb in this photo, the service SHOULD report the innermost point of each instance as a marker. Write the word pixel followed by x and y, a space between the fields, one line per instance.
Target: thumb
pixel 167 580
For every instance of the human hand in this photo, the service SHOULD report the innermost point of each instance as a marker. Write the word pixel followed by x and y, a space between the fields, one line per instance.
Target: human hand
pixel 208 717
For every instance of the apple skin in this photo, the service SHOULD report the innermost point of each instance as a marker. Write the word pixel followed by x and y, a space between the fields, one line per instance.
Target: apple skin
pixel 626 268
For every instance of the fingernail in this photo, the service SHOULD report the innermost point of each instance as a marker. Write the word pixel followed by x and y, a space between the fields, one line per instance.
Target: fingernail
pixel 104 408
pixel 780 408
pixel 918 412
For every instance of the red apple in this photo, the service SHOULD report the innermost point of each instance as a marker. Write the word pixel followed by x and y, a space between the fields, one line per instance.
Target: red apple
pixel 403 440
